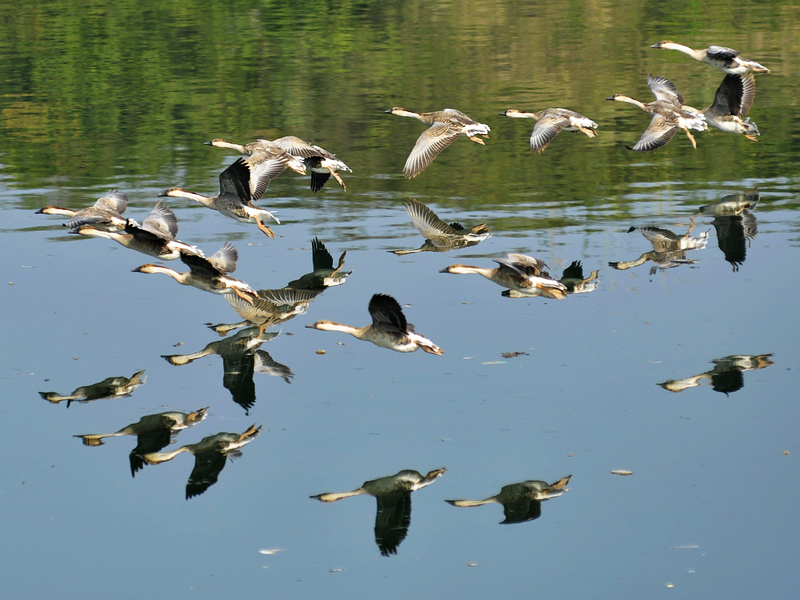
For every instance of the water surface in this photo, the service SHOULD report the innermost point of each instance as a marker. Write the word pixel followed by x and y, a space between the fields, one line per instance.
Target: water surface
pixel 122 97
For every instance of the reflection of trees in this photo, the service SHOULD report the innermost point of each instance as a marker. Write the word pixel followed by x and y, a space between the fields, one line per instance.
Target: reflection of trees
pixel 150 65
pixel 725 377
pixel 153 432
pixel 393 495
pixel 521 501
pixel 111 387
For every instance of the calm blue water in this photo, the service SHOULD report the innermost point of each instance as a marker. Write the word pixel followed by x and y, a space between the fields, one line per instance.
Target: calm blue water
pixel 709 508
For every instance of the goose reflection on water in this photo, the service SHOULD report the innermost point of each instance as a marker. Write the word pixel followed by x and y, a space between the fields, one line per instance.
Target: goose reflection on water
pixel 521 501
pixel 274 306
pixel 440 236
pixel 110 387
pixel 153 432
pixel 210 456
pixel 669 249
pixel 324 275
pixel 726 376
pixel 241 359
pixel 393 495
pixel 735 225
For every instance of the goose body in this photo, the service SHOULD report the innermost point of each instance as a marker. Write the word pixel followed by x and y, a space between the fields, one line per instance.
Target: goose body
pixel 669 115
pixel 719 57
pixel 106 212
pixel 389 328
pixel 440 236
pixel 550 122
pixel 208 274
pixel 445 127
pixel 155 237
pixel 519 273
pixel 241 184
pixel 732 102
pixel 322 164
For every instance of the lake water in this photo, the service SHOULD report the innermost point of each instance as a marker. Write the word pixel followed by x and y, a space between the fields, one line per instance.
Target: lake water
pixel 110 96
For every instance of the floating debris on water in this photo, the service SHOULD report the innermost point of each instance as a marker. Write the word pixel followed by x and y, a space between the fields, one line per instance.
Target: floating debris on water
pixel 622 472
pixel 514 354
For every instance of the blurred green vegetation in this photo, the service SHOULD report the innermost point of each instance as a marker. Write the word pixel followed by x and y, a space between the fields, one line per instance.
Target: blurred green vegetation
pixel 98 94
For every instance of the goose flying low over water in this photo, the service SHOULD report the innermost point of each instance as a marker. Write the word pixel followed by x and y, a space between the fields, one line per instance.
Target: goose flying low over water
pixel 441 236
pixel 389 328
pixel 522 274
pixel 106 212
pixel 719 57
pixel 550 122
pixel 445 127
pixel 208 274
pixel 669 114
pixel 732 102
pixel 240 185
pixel 155 237
pixel 322 164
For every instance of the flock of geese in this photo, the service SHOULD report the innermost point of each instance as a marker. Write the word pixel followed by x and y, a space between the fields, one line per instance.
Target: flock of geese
pixel 245 181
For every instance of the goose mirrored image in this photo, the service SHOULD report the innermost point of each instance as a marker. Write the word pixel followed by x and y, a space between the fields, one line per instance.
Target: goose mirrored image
pixel 669 249
pixel 726 376
pixel 440 236
pixel 153 433
pixel 110 387
pixel 736 227
pixel 522 501
pixel 241 359
pixel 393 496
pixel 211 454
pixel 323 274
